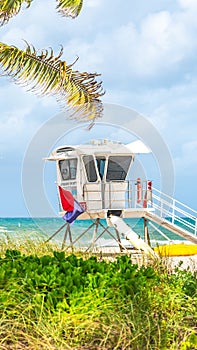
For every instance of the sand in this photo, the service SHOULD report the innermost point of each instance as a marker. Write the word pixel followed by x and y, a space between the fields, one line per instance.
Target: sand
pixel 183 262
pixel 187 262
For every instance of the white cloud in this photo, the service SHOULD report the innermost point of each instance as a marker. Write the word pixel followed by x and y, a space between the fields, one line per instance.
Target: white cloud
pixel 164 41
pixel 155 28
pixel 17 36
pixel 20 116
pixel 188 4
pixel 160 117
pixel 13 124
pixel 15 132
pixel 93 3
pixel 160 45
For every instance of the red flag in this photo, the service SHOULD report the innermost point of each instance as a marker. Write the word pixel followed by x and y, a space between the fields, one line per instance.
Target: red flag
pixel 67 199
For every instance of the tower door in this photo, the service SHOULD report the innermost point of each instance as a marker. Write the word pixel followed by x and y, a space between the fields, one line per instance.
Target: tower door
pixel 116 186
pixel 92 193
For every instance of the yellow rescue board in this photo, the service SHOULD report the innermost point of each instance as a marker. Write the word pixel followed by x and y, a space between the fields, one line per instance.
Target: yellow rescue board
pixel 181 249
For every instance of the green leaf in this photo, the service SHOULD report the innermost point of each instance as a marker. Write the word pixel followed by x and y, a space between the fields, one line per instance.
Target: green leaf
pixel 69 8
pixel 10 8
pixel 59 255
pixel 46 74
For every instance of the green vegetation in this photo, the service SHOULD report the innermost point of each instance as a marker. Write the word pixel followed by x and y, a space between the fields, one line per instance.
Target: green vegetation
pixel 53 301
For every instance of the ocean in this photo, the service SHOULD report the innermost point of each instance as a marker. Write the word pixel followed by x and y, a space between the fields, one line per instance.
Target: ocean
pixel 44 228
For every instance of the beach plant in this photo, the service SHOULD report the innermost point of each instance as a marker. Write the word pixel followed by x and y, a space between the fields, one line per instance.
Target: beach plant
pixel 46 73
pixel 61 301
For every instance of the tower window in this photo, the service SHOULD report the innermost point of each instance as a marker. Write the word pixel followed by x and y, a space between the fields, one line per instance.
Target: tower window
pixel 90 168
pixel 118 167
pixel 68 169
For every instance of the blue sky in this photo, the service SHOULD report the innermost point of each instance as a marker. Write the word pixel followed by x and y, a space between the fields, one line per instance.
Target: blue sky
pixel 146 53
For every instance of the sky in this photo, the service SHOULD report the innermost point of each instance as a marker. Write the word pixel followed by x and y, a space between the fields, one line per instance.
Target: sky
pixel 146 54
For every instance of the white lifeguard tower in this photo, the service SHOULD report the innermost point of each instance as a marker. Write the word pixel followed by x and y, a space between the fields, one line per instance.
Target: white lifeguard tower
pixel 99 175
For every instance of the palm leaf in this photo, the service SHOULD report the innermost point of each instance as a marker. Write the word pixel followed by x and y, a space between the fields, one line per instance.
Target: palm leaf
pixel 46 74
pixel 10 8
pixel 69 8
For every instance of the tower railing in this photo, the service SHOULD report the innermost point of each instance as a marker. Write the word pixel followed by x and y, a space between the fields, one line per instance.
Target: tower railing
pixel 137 195
pixel 118 194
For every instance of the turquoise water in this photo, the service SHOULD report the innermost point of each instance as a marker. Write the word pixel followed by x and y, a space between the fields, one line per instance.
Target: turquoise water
pixel 46 227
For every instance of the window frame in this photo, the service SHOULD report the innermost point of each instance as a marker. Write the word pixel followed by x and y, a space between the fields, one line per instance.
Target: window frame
pixel 68 160
pixel 95 168
pixel 130 157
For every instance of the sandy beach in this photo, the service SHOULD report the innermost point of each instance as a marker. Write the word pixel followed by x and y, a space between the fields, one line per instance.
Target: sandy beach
pixel 188 262
pixel 183 262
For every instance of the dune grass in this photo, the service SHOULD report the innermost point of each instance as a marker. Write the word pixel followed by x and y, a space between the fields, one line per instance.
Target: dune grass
pixel 53 301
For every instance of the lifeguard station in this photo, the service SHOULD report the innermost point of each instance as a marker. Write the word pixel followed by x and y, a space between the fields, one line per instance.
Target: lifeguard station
pixel 99 175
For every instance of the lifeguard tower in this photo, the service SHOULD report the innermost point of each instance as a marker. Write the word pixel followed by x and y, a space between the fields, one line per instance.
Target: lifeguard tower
pixel 98 175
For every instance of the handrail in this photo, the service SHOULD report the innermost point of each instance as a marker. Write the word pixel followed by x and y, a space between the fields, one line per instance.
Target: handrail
pixel 174 210
pixel 177 201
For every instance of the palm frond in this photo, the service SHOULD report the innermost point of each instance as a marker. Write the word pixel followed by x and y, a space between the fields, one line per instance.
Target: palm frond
pixel 10 8
pixel 69 8
pixel 46 74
